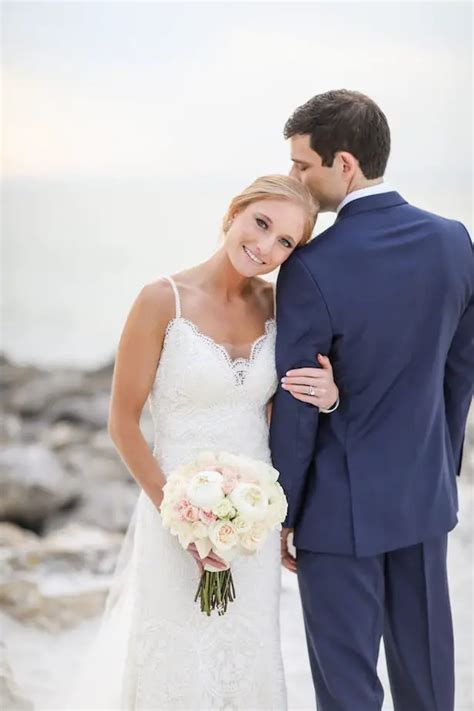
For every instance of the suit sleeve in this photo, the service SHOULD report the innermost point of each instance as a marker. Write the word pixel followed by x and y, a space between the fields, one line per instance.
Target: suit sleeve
pixel 303 330
pixel 459 374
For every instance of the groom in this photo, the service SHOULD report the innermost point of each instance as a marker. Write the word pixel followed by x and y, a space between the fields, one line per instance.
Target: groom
pixel 387 293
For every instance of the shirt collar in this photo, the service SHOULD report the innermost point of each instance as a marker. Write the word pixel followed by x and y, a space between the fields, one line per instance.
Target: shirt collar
pixel 364 192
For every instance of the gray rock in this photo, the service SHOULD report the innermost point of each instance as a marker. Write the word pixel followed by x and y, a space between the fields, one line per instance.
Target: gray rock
pixel 33 485
pixel 12 375
pixel 100 379
pixel 63 435
pixel 10 429
pixel 90 410
pixel 35 394
pixel 13 537
pixel 56 581
pixel 108 505
pixel 94 465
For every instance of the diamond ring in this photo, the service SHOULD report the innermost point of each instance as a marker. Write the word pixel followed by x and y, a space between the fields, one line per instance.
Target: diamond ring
pixel 311 391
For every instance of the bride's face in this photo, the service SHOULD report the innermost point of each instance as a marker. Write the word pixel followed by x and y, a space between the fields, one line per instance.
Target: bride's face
pixel 263 235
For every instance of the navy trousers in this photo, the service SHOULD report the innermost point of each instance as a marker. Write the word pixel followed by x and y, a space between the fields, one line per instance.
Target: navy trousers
pixel 350 603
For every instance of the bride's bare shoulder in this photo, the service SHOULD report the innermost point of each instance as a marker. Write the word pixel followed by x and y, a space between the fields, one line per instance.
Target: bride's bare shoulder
pixel 156 301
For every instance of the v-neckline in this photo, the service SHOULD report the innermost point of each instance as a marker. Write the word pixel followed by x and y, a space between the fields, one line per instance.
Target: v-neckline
pixel 219 346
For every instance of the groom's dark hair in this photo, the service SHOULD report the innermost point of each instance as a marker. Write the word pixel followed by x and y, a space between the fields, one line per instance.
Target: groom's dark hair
pixel 343 120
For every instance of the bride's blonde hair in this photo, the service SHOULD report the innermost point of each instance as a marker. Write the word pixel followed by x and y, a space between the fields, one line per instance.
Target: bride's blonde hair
pixel 275 187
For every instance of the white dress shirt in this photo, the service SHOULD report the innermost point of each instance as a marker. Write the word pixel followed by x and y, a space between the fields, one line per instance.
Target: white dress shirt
pixel 365 192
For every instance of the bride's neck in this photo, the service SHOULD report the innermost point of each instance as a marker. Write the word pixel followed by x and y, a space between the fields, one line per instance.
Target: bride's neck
pixel 218 274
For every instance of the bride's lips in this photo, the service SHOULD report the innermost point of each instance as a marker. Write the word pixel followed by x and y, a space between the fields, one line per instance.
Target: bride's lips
pixel 252 256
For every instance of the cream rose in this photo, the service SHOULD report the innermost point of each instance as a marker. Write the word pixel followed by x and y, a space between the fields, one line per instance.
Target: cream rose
pixel 241 524
pixel 254 539
pixel 223 509
pixel 223 536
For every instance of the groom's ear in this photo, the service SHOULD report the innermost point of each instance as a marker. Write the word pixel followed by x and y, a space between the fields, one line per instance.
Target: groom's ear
pixel 349 163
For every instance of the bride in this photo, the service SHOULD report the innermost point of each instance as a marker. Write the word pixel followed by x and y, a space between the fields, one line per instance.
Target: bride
pixel 200 346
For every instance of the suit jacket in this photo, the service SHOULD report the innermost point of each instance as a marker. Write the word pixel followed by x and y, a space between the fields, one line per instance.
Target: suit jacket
pixel 387 293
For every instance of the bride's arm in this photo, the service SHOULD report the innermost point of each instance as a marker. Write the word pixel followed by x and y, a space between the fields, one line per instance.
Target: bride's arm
pixel 135 368
pixel 269 410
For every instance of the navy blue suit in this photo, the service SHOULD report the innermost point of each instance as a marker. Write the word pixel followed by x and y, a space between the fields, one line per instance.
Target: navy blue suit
pixel 387 293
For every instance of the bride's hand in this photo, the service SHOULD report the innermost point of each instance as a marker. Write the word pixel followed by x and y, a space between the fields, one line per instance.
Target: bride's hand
pixel 211 559
pixel 317 381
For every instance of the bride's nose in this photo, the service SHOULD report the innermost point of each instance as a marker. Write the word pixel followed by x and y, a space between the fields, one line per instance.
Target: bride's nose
pixel 264 246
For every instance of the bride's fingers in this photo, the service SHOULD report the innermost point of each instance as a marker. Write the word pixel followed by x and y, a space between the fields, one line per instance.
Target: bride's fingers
pixel 302 380
pixel 306 373
pixel 319 390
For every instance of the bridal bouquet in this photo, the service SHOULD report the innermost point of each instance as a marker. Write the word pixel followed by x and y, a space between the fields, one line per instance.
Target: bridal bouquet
pixel 223 503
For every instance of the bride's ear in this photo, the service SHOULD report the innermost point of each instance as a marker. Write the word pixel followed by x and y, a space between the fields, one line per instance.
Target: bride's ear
pixel 228 222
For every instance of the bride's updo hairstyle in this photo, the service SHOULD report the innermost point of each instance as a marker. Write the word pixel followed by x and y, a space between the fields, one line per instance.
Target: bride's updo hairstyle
pixel 275 187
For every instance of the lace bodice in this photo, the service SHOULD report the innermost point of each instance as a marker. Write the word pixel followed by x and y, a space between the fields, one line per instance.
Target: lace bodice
pixel 204 399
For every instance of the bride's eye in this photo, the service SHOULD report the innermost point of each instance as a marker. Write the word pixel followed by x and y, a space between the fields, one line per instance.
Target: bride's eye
pixel 286 243
pixel 261 223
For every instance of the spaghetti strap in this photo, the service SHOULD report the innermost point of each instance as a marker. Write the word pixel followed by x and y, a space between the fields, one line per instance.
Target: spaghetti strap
pixel 176 295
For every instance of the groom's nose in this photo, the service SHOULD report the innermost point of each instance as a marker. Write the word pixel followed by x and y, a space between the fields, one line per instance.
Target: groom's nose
pixel 293 172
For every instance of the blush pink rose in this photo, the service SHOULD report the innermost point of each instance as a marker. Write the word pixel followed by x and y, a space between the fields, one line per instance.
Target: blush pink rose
pixel 207 517
pixel 190 513
pixel 231 479
pixel 182 505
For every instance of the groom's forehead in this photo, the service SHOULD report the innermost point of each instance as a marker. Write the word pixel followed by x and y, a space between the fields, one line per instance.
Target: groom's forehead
pixel 300 148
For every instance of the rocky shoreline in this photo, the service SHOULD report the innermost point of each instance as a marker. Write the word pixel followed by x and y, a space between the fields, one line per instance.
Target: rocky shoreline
pixel 66 500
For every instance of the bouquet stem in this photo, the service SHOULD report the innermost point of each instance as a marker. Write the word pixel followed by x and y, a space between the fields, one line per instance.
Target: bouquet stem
pixel 215 591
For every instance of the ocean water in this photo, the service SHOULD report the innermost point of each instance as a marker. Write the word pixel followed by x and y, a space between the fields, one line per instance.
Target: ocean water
pixel 77 251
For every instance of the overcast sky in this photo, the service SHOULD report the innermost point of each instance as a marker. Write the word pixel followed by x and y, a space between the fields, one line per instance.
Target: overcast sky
pixel 173 89
pixel 129 126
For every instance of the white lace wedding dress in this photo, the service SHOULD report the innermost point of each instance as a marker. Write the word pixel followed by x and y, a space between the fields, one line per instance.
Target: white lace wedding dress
pixel 156 650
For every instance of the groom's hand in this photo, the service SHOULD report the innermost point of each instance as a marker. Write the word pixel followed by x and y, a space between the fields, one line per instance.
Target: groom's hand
pixel 287 559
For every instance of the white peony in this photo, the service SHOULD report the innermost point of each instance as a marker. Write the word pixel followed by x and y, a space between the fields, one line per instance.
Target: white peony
pixel 224 508
pixel 205 489
pixel 278 506
pixel 250 501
